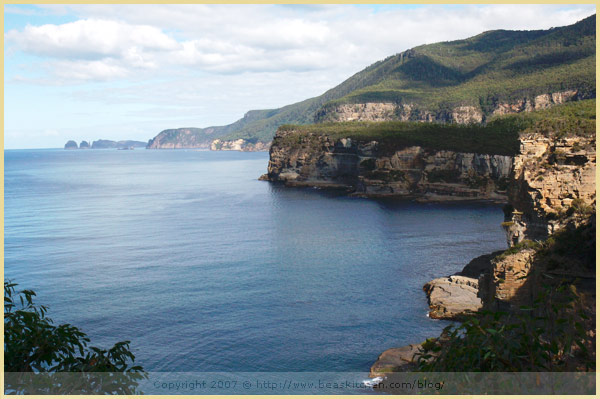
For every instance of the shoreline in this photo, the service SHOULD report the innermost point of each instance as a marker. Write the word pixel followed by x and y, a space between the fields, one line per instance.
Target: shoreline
pixel 351 192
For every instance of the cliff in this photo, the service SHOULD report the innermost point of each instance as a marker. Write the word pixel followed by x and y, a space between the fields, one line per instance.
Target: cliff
pixel 388 111
pixel 548 273
pixel 553 184
pixel 380 168
pixel 549 221
pixel 239 145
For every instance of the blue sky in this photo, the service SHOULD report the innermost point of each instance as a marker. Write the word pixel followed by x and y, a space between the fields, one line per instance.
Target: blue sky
pixel 86 72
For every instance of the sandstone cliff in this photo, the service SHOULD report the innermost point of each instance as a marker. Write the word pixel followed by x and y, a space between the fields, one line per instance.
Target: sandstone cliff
pixel 553 184
pixel 549 222
pixel 387 111
pixel 374 169
pixel 238 145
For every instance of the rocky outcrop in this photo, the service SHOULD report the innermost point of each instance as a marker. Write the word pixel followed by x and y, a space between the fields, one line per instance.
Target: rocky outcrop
pixel 453 297
pixel 390 111
pixel 373 169
pixel 395 360
pixel 238 145
pixel 541 101
pixel 551 188
pixel 506 286
pixel 466 114
pixel 553 185
pixel 464 293
pixel 104 144
pixel 71 145
pixel 377 112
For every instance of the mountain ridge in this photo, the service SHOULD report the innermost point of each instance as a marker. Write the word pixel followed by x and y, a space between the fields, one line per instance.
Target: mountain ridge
pixel 463 81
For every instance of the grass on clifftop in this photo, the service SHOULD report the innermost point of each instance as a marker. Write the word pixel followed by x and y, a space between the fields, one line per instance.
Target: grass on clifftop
pixel 499 136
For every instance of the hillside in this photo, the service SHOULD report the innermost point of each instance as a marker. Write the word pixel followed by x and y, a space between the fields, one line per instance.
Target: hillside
pixel 500 136
pixel 468 80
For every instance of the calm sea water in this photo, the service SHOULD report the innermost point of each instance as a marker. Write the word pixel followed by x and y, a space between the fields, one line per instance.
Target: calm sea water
pixel 204 268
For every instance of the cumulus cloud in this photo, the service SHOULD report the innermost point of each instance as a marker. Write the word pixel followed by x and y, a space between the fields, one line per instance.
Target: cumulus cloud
pixel 116 41
pixel 90 39
pixel 144 68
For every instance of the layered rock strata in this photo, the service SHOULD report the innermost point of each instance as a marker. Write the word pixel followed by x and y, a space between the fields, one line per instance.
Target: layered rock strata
pixel 238 145
pixel 453 297
pixel 372 169
pixel 408 111
pixel 553 184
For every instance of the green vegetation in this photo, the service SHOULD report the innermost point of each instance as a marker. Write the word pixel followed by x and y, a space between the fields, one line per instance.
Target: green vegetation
pixel 553 334
pixel 498 137
pixel 550 336
pixel 482 71
pixel 523 245
pixel 571 250
pixel 579 207
pixel 43 352
pixel 495 138
pixel 571 119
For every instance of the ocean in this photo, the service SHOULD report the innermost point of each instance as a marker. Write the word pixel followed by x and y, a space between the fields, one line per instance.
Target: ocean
pixel 206 269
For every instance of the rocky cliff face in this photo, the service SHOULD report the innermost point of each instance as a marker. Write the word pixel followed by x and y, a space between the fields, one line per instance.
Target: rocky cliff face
pixel 378 112
pixel 551 190
pixel 387 111
pixel 541 101
pixel 553 185
pixel 238 145
pixel 373 169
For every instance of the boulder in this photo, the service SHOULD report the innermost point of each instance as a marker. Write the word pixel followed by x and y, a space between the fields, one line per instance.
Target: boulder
pixel 452 297
pixel 395 360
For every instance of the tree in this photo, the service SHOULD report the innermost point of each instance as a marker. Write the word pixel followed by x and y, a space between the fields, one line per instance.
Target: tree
pixel 43 358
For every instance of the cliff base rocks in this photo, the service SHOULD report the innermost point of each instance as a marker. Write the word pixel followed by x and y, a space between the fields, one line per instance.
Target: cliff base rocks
pixel 395 360
pixel 453 297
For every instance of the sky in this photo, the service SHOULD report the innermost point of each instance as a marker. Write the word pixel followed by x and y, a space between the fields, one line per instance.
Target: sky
pixel 88 72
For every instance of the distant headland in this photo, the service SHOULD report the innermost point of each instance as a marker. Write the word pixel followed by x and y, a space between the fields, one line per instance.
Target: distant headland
pixel 104 144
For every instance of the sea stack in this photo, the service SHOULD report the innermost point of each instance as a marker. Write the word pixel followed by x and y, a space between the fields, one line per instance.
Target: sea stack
pixel 71 145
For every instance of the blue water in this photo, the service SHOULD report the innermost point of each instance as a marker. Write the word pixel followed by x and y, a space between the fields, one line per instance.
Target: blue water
pixel 205 268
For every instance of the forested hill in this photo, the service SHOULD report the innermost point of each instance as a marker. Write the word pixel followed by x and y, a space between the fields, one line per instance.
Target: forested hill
pixel 429 82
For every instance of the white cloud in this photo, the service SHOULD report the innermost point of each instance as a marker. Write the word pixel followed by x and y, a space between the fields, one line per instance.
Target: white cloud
pixel 89 39
pixel 208 64
pixel 115 41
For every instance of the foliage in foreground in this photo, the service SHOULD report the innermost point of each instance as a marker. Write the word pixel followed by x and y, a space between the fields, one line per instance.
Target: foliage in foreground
pixel 557 333
pixel 34 346
pixel 547 337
